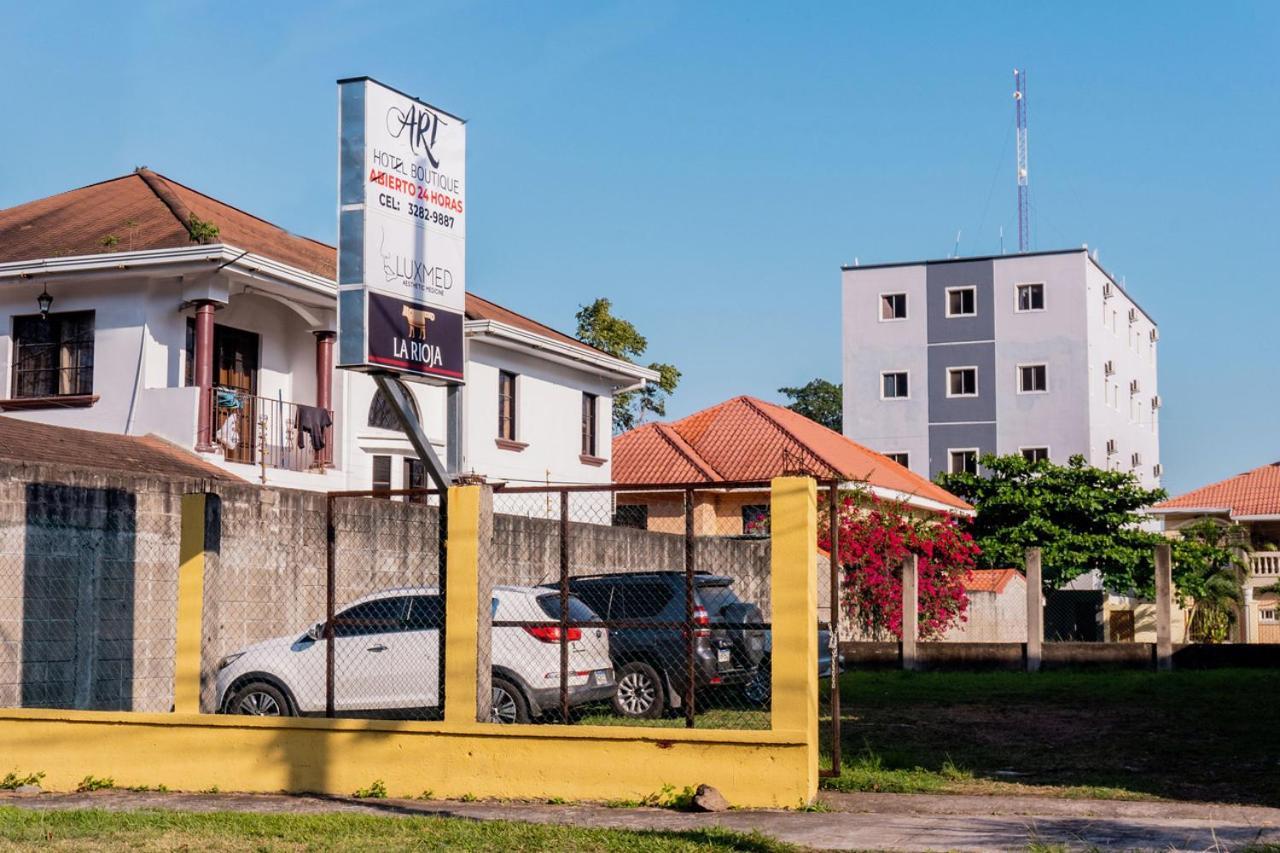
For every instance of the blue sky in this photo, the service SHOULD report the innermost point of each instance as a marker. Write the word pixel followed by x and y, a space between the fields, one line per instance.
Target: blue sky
pixel 709 166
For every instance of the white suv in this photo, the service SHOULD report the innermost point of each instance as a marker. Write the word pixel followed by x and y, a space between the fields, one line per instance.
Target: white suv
pixel 387 659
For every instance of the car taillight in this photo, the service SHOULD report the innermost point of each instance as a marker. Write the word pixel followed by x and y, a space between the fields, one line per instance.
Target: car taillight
pixel 551 633
pixel 703 622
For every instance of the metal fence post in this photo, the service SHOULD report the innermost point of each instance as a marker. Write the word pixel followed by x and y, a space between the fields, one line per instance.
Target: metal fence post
pixel 833 625
pixel 910 612
pixel 330 604
pixel 689 532
pixel 564 607
pixel 1035 610
pixel 1164 607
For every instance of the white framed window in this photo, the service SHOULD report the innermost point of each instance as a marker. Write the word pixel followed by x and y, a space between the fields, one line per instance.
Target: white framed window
pixel 962 381
pixel 893 306
pixel 962 460
pixel 1030 297
pixel 894 385
pixel 900 456
pixel 1034 454
pixel 1268 615
pixel 1033 378
pixel 962 301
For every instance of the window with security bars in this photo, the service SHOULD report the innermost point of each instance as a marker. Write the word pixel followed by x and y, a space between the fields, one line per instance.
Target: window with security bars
pixel 589 408
pixel 53 356
pixel 506 405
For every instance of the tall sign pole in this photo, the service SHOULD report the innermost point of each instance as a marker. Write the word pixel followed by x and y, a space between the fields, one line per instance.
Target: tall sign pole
pixel 401 246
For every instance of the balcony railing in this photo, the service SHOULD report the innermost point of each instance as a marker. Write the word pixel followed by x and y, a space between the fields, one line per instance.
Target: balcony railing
pixel 1265 563
pixel 270 433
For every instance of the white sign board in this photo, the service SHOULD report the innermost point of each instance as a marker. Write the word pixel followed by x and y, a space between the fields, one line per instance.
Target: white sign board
pixel 401 233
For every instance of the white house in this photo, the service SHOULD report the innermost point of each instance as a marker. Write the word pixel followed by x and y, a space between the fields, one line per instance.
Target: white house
pixel 172 313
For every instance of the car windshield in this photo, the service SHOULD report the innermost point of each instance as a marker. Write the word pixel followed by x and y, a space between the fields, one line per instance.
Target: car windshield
pixel 578 611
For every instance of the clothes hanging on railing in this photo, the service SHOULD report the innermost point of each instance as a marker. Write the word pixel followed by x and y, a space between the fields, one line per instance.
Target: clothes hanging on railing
pixel 312 421
pixel 229 432
pixel 228 399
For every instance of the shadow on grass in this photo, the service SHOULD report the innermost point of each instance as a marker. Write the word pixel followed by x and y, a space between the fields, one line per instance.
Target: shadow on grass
pixel 1194 735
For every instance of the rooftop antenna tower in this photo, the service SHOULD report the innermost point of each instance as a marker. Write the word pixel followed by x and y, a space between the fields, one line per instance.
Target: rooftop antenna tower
pixel 1020 105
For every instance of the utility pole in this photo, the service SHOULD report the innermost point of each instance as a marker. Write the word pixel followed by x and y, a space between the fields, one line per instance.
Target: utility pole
pixel 1020 105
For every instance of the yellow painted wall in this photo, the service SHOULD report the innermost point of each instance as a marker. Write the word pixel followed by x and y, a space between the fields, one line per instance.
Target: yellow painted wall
pixel 190 751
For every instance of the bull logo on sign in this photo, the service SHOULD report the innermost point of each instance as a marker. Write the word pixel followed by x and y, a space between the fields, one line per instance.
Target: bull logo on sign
pixel 416 319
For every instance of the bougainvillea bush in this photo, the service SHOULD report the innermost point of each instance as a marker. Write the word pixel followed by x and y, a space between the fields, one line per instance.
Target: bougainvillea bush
pixel 875 537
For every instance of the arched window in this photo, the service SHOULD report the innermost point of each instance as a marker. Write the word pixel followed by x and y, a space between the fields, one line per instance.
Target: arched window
pixel 383 416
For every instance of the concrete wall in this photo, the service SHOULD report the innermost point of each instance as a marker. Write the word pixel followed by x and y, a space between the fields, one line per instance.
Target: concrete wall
pixel 994 617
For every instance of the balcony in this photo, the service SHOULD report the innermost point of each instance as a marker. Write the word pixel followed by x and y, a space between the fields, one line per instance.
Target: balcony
pixel 269 433
pixel 1263 564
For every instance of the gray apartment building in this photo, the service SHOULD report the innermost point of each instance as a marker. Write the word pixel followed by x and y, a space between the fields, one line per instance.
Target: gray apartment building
pixel 1039 353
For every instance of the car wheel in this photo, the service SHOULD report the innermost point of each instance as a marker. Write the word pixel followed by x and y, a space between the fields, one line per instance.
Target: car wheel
pixel 260 699
pixel 639 692
pixel 507 705
pixel 759 690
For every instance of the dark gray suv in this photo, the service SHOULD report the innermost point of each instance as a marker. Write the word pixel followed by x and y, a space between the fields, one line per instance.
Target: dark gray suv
pixel 646 616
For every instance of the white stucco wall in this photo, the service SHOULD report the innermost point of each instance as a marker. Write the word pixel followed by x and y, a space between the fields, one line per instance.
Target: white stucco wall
pixel 1059 418
pixel 871 346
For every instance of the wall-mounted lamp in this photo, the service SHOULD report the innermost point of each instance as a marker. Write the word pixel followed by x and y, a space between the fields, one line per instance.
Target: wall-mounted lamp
pixel 45 301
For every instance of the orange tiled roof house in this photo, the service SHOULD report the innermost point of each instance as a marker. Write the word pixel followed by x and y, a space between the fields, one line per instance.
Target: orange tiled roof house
pixel 1252 500
pixel 745 439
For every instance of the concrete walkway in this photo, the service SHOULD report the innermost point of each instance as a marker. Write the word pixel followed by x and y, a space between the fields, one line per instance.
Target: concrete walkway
pixel 854 822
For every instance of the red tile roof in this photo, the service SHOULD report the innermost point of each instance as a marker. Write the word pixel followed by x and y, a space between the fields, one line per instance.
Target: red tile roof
pixel 1255 492
pixel 990 580
pixel 749 439
pixel 39 443
pixel 146 210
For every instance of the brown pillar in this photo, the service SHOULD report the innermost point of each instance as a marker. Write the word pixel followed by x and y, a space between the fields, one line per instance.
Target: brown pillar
pixel 324 383
pixel 203 373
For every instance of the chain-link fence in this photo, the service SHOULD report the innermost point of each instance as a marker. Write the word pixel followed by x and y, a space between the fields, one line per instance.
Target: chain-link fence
pixel 628 606
pixel 359 632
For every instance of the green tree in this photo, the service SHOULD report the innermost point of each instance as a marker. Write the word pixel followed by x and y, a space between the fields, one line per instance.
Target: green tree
pixel 598 327
pixel 1209 568
pixel 820 401
pixel 1083 518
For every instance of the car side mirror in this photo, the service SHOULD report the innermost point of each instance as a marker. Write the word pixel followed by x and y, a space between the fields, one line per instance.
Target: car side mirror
pixel 316 632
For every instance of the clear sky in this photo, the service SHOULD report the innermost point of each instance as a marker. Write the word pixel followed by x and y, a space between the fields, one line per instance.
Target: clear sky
pixel 709 166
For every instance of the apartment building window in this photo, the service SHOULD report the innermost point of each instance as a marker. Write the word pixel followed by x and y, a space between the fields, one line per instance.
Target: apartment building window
pixel 962 301
pixel 1031 297
pixel 901 458
pixel 53 356
pixel 589 408
pixel 963 461
pixel 962 381
pixel 1035 454
pixel 506 405
pixel 755 519
pixel 893 385
pixel 1033 378
pixel 893 306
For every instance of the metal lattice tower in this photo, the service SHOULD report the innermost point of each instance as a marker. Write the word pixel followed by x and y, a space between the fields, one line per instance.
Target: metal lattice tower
pixel 1020 105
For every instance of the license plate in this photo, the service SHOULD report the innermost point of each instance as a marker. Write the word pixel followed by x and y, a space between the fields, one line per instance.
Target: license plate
pixel 600 676
pixel 722 655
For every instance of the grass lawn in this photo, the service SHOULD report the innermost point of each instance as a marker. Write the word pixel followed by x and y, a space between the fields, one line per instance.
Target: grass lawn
pixel 93 830
pixel 1197 735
